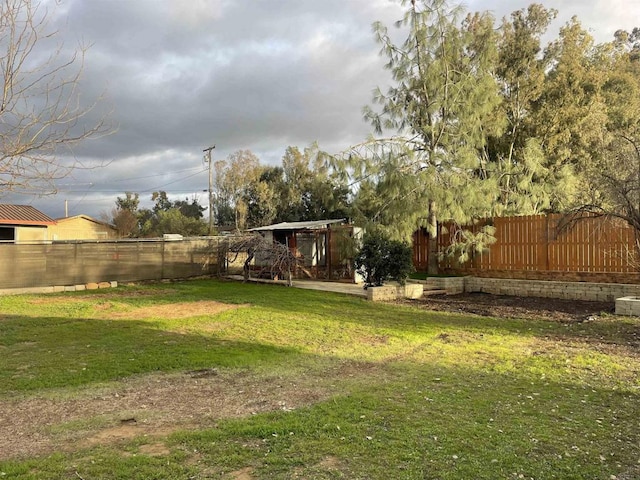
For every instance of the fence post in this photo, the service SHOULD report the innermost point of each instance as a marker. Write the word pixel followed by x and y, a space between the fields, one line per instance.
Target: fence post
pixel 162 261
pixel 328 256
pixel 546 243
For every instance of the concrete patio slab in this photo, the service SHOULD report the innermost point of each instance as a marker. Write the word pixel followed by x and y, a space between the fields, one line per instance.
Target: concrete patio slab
pixel 337 287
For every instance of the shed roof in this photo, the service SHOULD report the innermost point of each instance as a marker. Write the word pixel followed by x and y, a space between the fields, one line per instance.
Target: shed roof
pixel 23 215
pixel 298 225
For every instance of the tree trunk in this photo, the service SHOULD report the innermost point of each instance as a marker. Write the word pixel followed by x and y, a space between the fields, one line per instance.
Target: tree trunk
pixel 432 266
pixel 246 268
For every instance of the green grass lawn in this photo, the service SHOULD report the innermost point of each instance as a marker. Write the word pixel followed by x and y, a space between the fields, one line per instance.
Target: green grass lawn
pixel 391 391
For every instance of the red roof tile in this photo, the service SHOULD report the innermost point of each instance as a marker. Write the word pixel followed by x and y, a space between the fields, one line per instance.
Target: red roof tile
pixel 23 215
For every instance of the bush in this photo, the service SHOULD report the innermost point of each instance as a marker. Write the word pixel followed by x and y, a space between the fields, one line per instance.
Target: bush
pixel 380 259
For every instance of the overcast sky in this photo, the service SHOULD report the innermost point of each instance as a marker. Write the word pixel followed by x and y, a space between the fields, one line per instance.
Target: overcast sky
pixel 181 75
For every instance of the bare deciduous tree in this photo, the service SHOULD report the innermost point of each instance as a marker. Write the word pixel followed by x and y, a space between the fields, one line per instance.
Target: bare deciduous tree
pixel 41 113
pixel 125 221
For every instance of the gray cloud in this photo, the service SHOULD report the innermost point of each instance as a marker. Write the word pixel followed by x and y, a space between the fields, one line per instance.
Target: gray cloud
pixel 259 75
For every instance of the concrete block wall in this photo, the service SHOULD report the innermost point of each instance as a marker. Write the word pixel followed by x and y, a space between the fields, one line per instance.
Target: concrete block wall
pixel 605 292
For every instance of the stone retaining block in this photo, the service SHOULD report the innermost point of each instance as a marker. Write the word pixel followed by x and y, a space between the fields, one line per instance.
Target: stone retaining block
pixel 452 285
pixel 628 306
pixel 387 293
pixel 58 288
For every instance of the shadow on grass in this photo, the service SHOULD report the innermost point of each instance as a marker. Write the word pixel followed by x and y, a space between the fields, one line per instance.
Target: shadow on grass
pixel 55 352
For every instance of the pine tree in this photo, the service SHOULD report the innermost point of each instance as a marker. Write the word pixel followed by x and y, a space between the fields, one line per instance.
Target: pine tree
pixel 526 184
pixel 442 107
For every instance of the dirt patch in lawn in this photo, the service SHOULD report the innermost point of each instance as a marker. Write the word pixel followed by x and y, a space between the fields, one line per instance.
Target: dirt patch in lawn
pixel 503 306
pixel 152 406
pixel 102 293
pixel 174 310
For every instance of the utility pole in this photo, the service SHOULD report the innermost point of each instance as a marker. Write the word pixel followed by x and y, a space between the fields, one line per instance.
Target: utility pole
pixel 207 152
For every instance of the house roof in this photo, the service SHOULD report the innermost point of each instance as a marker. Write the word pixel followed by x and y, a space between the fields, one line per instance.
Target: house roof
pixel 84 217
pixel 297 225
pixel 23 215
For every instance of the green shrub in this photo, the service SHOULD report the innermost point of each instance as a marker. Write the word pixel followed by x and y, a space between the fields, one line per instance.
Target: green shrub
pixel 380 259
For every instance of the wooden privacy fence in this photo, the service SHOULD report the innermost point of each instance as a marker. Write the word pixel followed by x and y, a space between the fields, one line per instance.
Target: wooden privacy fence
pixel 538 247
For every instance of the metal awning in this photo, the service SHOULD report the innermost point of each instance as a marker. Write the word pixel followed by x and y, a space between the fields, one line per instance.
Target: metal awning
pixel 314 224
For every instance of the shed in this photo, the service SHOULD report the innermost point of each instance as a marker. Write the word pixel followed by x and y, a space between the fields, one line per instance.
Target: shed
pixel 23 224
pixel 81 227
pixel 324 246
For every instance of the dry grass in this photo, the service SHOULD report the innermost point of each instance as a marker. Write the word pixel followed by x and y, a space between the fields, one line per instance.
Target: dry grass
pixel 172 311
pixel 151 405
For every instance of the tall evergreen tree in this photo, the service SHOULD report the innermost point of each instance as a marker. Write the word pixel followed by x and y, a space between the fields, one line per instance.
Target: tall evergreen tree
pixel 525 183
pixel 264 197
pixel 442 107
pixel 612 175
pixel 303 188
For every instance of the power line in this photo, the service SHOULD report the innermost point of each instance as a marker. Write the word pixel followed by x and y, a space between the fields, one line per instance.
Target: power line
pixel 109 190
pixel 132 178
pixel 170 183
pixel 160 174
pixel 77 203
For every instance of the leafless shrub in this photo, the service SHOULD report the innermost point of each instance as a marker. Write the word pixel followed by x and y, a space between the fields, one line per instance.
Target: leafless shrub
pixel 275 258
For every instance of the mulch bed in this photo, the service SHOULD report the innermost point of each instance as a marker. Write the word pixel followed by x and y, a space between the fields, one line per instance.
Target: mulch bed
pixel 504 306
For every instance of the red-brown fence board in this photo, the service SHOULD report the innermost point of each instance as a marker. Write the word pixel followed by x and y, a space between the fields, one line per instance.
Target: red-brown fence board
pixel 536 243
pixel 420 249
